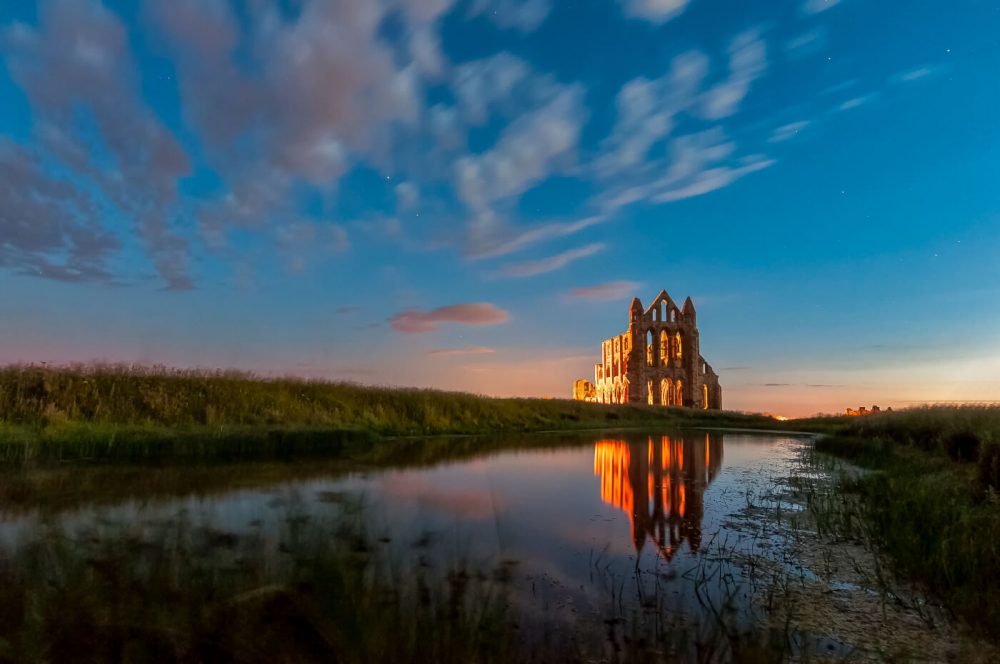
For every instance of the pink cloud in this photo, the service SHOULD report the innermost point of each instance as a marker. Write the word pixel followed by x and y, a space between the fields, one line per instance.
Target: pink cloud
pixel 412 321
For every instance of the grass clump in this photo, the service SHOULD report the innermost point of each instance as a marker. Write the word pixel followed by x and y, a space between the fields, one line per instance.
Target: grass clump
pixel 934 429
pixel 932 504
pixel 989 466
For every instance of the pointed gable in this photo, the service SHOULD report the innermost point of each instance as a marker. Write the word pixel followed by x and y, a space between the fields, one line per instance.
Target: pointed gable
pixel 662 307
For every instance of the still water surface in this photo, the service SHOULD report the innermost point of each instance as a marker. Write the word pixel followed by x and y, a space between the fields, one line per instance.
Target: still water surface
pixel 602 526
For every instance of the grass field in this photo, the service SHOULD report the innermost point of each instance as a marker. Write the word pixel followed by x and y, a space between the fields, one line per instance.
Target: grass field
pixel 932 503
pixel 135 413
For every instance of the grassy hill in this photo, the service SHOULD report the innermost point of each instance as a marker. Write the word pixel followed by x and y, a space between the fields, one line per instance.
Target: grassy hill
pixel 134 412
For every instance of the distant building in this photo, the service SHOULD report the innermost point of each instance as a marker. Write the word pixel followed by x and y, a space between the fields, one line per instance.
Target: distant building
pixel 584 390
pixel 657 360
pixel 864 411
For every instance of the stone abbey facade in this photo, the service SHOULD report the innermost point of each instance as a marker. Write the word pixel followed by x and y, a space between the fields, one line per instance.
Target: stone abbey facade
pixel 657 360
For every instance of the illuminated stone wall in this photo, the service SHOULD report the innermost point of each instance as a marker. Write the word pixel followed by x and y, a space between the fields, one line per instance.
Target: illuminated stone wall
pixel 584 390
pixel 657 360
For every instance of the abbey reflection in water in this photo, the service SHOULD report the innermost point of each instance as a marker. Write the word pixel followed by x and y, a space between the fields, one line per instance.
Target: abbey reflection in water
pixel 660 483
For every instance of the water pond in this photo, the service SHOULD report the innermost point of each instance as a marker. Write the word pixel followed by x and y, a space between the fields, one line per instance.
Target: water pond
pixel 591 546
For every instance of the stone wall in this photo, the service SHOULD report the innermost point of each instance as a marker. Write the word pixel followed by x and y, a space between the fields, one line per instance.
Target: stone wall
pixel 657 360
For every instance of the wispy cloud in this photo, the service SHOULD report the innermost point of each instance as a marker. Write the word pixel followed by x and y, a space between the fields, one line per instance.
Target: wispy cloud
pixel 747 62
pixel 712 179
pixel 915 74
pixel 77 61
pixel 552 263
pixel 412 321
pixel 520 15
pixel 499 85
pixel 312 133
pixel 407 195
pixel 270 132
pixel 612 290
pixel 788 131
pixel 540 138
pixel 64 222
pixel 697 164
pixel 471 350
pixel 508 240
pixel 300 239
pixel 656 11
pixel 626 169
pixel 806 43
pixel 856 102
pixel 840 87
pixel 528 150
pixel 817 6
pixel 646 110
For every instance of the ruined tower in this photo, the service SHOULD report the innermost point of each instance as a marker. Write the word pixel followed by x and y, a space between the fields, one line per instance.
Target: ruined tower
pixel 657 361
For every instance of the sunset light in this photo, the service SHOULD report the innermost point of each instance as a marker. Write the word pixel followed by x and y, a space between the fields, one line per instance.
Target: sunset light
pixel 499 331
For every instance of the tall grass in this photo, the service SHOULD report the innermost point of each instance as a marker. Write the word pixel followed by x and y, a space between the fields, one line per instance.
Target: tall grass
pixel 932 503
pixel 133 413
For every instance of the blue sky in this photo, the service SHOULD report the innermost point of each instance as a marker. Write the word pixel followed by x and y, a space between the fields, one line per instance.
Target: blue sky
pixel 467 195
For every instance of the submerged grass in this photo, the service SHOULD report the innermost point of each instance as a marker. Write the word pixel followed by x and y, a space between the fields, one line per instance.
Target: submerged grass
pixel 134 413
pixel 932 502
pixel 177 591
pixel 322 588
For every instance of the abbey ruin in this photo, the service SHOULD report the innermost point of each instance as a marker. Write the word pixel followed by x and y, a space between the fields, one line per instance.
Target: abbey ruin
pixel 657 360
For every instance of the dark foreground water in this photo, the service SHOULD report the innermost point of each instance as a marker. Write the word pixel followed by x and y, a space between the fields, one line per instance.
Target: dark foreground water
pixel 601 547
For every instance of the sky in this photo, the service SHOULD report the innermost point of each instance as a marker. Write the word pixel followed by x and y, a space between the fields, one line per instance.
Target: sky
pixel 467 194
